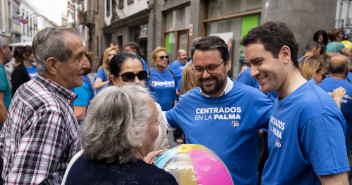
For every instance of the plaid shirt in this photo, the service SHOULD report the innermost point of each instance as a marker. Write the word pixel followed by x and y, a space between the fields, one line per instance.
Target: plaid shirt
pixel 40 135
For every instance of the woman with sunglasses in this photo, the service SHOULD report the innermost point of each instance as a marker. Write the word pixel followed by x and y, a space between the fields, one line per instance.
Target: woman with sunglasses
pixel 102 76
pixel 162 83
pixel 126 68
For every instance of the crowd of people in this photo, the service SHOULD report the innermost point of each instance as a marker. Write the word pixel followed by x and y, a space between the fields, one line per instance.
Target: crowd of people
pixel 59 128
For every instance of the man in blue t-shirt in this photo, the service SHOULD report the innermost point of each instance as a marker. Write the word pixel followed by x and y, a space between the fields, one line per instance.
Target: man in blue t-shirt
pixel 5 91
pixel 177 67
pixel 339 67
pixel 221 113
pixel 133 47
pixel 306 136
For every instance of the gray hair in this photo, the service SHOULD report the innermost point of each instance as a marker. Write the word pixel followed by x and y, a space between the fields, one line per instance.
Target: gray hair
pixel 116 124
pixel 3 42
pixel 51 42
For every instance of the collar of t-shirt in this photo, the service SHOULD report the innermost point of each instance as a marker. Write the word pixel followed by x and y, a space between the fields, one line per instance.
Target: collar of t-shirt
pixel 227 89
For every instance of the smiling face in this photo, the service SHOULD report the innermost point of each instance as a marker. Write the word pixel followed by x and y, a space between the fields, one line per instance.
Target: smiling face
pixel 70 73
pixel 212 84
pixel 267 70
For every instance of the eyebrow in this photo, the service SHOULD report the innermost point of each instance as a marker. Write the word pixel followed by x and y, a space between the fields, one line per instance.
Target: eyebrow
pixel 256 60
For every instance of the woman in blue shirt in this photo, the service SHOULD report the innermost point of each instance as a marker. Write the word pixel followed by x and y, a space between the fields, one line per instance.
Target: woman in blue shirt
pixel 102 76
pixel 161 82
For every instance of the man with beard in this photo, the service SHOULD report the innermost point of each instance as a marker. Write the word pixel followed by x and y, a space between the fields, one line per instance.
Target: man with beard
pixel 222 114
pixel 5 91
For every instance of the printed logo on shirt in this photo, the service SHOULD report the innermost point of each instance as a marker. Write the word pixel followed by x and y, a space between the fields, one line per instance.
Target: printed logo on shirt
pixel 345 98
pixel 163 84
pixel 32 75
pixel 220 113
pixel 277 127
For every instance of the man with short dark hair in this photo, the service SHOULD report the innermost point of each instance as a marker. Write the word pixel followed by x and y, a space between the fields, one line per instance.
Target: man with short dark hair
pixel 40 135
pixel 313 49
pixel 222 114
pixel 306 137
pixel 133 47
pixel 177 67
pixel 5 90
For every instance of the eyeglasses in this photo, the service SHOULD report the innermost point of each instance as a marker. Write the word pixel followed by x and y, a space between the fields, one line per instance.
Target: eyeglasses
pixel 212 68
pixel 129 76
pixel 164 57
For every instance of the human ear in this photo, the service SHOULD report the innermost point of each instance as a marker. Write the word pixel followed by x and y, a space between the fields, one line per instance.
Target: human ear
pixel 285 54
pixel 51 65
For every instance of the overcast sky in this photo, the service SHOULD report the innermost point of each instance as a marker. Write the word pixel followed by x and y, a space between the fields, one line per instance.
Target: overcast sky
pixel 51 9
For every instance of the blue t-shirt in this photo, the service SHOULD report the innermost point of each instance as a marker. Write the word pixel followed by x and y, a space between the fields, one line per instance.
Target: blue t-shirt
pixel 306 138
pixel 162 88
pixel 101 74
pixel 246 78
pixel 329 84
pixel 331 47
pixel 228 125
pixel 32 71
pixel 83 95
pixel 177 68
pixel 5 87
pixel 349 77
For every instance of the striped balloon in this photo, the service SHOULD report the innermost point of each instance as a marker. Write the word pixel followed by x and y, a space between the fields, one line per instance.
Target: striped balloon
pixel 192 164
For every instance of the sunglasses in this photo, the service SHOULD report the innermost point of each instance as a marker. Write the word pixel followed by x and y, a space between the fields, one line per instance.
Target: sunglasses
pixel 129 76
pixel 164 57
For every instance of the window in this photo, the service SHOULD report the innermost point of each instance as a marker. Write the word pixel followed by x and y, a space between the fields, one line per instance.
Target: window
pixel 231 19
pixel 176 30
pixel 108 9
pixel 121 4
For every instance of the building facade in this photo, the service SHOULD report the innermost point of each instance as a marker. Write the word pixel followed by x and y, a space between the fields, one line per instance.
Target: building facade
pixel 175 23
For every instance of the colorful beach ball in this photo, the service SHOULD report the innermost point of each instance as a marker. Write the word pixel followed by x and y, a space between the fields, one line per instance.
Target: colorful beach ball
pixel 192 164
pixel 347 43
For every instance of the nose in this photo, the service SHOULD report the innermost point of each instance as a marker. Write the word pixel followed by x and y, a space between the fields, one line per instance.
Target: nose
pixel 254 71
pixel 136 80
pixel 205 74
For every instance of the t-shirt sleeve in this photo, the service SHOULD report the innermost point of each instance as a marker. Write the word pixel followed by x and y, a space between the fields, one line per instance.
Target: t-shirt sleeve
pixel 265 106
pixel 3 80
pixel 323 142
pixel 340 46
pixel 101 74
pixel 171 117
pixel 83 94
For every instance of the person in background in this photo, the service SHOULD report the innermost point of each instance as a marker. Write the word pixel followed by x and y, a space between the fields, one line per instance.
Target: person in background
pixel 312 68
pixel 322 38
pixel 335 46
pixel 40 135
pixel 339 68
pixel 102 77
pixel 177 67
pixel 133 47
pixel 5 90
pixel 161 82
pixel 25 71
pixel 85 93
pixel 114 44
pixel 222 114
pixel 119 131
pixel 126 68
pixel 188 79
pixel 306 137
pixel 312 50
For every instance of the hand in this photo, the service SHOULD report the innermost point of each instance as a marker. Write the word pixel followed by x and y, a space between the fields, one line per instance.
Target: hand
pixel 151 156
pixel 339 93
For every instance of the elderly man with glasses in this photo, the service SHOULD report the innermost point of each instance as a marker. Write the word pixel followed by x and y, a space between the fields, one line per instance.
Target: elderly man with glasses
pixel 222 114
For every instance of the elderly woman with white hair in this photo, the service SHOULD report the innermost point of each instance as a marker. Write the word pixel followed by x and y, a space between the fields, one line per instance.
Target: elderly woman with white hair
pixel 119 131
